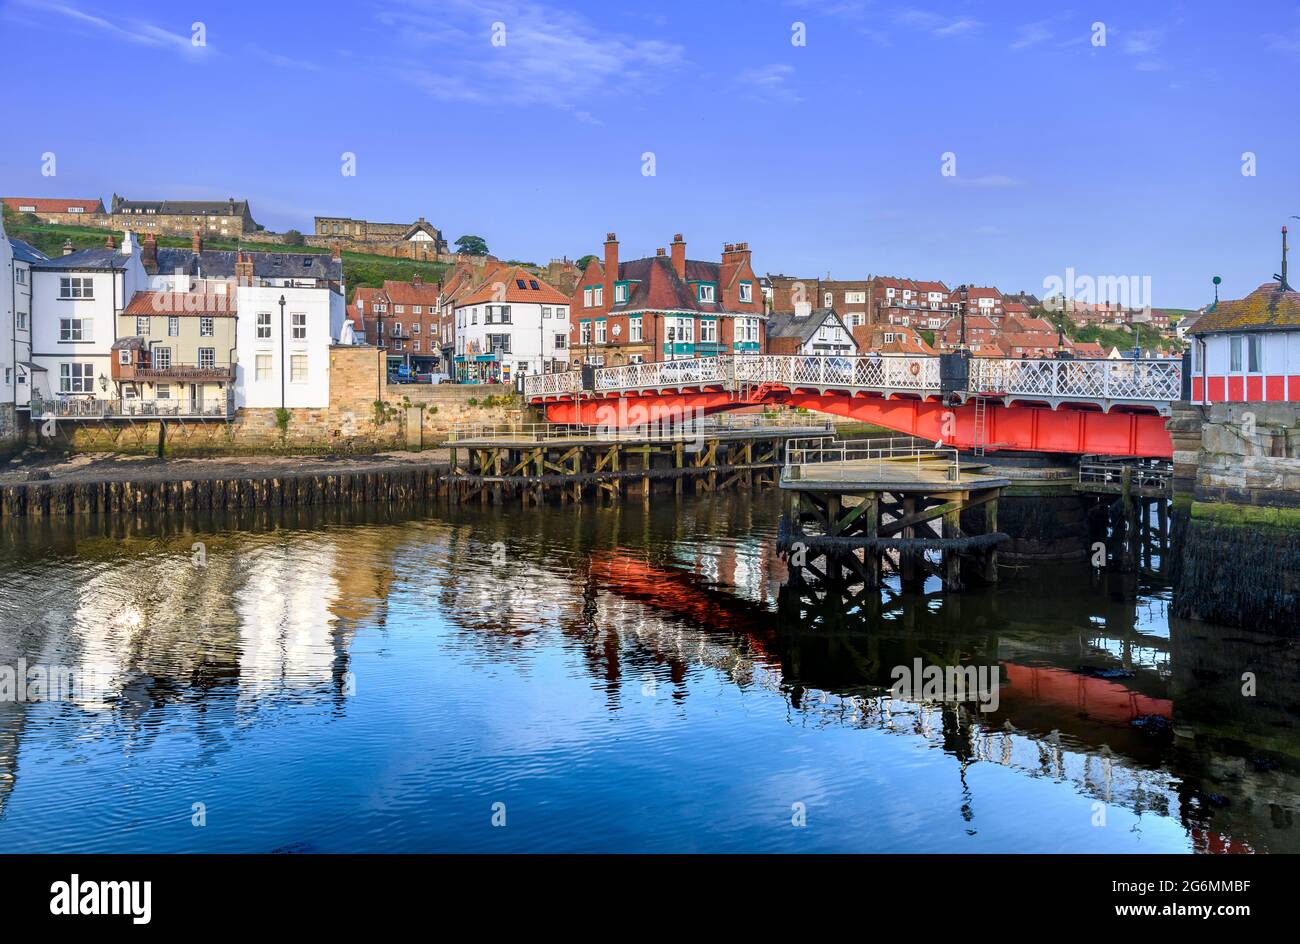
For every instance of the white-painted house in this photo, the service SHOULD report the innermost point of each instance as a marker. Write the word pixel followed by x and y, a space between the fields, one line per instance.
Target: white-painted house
pixel 16 261
pixel 809 331
pixel 291 309
pixel 512 324
pixel 75 301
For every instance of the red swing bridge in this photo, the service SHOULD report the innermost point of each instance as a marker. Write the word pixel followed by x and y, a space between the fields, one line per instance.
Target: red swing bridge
pixel 1098 407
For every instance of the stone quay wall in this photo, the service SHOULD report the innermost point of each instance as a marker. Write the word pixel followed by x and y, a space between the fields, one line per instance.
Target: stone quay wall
pixel 365 414
pixel 1238 540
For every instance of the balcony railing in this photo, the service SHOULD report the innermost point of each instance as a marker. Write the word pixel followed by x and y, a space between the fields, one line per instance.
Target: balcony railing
pixel 195 373
pixel 135 408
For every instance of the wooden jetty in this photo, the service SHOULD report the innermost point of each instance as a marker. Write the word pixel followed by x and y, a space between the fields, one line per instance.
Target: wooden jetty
pixel 858 512
pixel 567 464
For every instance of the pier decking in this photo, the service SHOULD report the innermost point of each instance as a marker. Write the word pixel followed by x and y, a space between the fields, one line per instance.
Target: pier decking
pixel 548 461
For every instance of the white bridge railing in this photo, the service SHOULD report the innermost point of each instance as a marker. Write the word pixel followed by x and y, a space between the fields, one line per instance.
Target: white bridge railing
pixel 1156 382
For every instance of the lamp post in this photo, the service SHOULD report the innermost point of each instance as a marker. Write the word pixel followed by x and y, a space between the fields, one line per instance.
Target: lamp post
pixel 282 352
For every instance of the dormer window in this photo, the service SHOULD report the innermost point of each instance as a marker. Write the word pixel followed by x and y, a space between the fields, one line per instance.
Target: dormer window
pixel 705 292
pixel 620 293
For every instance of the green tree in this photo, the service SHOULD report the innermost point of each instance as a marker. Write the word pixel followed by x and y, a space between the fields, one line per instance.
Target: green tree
pixel 472 246
pixel 582 263
pixel 292 237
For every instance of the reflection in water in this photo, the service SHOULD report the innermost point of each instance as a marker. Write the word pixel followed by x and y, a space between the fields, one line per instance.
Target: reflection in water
pixel 339 679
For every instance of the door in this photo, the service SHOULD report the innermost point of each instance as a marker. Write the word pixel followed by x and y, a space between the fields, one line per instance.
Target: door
pixel 196 401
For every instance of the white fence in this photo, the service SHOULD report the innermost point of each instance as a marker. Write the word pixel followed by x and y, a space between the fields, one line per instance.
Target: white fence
pixel 1156 382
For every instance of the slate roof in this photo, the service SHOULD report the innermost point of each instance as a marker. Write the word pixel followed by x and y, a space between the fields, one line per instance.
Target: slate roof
pixel 1265 309
pixel 231 207
pixel 656 286
pixel 220 264
pixel 26 252
pixel 787 324
pixel 101 257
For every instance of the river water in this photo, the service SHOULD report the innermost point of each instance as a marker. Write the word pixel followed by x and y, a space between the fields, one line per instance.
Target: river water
pixel 606 679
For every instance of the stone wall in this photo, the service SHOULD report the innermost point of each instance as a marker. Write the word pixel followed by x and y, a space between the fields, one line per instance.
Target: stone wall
pixel 365 414
pixel 10 431
pixel 1237 533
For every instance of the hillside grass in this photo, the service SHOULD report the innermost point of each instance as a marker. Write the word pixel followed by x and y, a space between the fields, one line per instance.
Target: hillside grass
pixel 360 269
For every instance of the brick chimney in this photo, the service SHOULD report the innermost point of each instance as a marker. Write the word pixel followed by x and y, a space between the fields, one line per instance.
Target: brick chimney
pixel 611 266
pixel 196 241
pixel 110 242
pixel 243 268
pixel 336 250
pixel 661 251
pixel 67 247
pixel 149 253
pixel 679 256
pixel 416 280
pixel 733 254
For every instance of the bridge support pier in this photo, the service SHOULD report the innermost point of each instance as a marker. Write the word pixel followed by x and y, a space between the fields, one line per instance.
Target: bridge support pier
pixel 833 539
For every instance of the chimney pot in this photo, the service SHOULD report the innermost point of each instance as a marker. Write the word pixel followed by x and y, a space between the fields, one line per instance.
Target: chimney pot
pixel 67 247
pixel 661 252
pixel 610 237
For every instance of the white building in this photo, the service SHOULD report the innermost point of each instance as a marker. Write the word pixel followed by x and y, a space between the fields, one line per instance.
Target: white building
pixel 512 324
pixel 291 309
pixel 75 301
pixel 1248 349
pixel 16 261
pixel 809 331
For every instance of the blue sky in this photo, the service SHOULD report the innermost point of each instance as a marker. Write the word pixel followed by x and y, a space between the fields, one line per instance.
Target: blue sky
pixel 1122 159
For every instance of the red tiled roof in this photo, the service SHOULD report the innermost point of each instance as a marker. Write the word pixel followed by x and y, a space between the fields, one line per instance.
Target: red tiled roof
pixel 52 204
pixel 208 304
pixel 411 293
pixel 509 277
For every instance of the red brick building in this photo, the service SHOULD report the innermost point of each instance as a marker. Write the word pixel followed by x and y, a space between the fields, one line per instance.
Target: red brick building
pixel 402 318
pixel 666 307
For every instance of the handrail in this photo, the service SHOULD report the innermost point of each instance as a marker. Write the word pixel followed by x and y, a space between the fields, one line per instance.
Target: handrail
pixel 1150 381
pixel 888 452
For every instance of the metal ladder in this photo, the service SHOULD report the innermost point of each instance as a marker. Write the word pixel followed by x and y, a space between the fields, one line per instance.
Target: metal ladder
pixel 980 439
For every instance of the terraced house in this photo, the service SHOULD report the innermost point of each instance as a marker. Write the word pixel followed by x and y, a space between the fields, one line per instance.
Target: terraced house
pixel 666 307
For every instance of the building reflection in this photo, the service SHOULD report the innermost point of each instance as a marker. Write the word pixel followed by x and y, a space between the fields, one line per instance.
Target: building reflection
pixel 1099 688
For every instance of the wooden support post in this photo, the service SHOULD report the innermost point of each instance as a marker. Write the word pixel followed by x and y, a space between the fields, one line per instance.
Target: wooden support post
pixel 991 527
pixel 906 558
pixel 952 557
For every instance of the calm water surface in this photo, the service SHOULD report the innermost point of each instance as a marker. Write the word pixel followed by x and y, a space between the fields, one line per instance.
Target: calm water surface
pixel 619 679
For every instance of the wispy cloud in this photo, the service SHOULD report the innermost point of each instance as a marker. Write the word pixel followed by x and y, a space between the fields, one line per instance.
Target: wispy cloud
pixel 936 24
pixel 1144 45
pixel 138 32
pixel 769 84
pixel 1032 34
pixel 543 56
